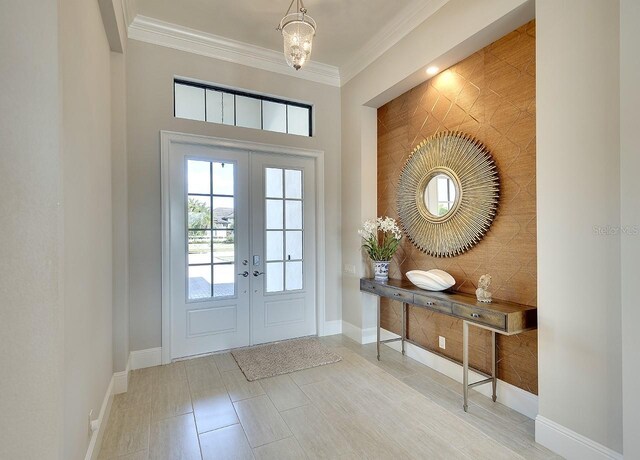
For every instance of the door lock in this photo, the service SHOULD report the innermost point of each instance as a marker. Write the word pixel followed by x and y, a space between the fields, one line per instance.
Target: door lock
pixel 244 273
pixel 257 273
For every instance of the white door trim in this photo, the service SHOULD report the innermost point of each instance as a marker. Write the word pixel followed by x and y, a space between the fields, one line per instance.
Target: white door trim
pixel 169 137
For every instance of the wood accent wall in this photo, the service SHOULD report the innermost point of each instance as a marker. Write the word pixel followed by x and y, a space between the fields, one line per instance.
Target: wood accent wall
pixel 490 95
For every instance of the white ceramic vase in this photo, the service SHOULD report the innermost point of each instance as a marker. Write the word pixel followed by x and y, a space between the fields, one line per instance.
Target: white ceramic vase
pixel 381 270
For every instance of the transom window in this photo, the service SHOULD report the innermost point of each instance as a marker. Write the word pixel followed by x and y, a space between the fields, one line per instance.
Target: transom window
pixel 210 229
pixel 197 101
pixel 284 229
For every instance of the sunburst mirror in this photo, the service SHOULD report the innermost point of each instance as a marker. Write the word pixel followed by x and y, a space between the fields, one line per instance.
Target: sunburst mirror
pixel 448 194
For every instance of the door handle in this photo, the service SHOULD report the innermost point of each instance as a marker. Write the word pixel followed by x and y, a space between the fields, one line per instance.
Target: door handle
pixel 257 273
pixel 244 273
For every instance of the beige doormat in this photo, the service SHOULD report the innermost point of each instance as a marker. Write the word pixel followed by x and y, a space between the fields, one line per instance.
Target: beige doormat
pixel 278 358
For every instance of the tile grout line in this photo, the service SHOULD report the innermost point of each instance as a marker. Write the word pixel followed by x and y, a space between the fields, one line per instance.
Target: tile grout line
pixel 193 410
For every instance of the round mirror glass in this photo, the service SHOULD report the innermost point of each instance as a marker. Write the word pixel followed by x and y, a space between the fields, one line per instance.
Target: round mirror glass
pixel 440 195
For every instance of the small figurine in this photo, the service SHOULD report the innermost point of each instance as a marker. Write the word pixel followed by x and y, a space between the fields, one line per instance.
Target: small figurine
pixel 482 293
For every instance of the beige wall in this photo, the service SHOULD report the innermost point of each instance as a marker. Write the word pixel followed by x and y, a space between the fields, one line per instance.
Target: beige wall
pixel 56 233
pixel 150 73
pixel 120 212
pixel 578 166
pixel 458 29
pixel 86 182
pixel 630 219
pixel 30 296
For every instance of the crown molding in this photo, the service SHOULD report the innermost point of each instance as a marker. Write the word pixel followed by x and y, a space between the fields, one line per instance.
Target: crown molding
pixel 399 27
pixel 162 33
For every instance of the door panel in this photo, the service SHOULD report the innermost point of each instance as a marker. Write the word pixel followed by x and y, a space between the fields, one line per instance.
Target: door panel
pixel 209 241
pixel 283 290
pixel 242 248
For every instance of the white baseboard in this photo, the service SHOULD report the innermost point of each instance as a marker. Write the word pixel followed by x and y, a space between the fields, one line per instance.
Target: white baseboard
pixel 119 384
pixel 569 444
pixel 332 327
pixel 369 335
pixel 96 437
pixel 511 396
pixel 362 336
pixel 121 381
pixel 141 359
pixel 351 331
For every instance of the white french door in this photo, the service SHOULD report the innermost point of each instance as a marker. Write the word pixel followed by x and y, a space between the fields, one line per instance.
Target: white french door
pixel 242 248
pixel 283 234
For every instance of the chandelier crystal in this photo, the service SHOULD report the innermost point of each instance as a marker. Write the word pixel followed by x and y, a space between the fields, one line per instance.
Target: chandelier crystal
pixel 298 30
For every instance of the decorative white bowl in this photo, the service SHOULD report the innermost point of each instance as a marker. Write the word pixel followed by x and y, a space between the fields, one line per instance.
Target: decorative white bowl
pixel 432 280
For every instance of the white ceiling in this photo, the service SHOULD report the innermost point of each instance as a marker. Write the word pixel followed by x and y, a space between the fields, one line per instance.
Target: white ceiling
pixel 345 27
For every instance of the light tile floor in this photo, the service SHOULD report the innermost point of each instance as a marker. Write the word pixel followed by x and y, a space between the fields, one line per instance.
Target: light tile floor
pixel 358 408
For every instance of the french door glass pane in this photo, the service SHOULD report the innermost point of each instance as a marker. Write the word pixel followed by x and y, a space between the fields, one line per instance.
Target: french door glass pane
pixel 248 112
pixel 224 280
pixel 274 116
pixel 293 276
pixel 199 177
pixel 199 281
pixel 293 183
pixel 274 277
pixel 199 212
pixel 274 219
pixel 223 247
pixel 293 215
pixel 199 247
pixel 189 102
pixel 294 246
pixel 275 246
pixel 273 182
pixel 223 212
pixel 223 178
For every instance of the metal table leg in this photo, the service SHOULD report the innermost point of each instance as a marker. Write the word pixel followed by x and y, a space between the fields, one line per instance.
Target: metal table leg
pixel 404 324
pixel 378 332
pixel 465 363
pixel 494 378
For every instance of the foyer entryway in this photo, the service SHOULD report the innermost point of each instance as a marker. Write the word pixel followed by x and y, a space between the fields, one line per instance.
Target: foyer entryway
pixel 241 246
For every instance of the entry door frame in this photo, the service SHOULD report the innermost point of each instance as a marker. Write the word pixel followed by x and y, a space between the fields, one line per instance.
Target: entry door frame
pixel 170 138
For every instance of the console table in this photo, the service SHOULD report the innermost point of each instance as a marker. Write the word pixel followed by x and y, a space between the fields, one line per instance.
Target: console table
pixel 499 317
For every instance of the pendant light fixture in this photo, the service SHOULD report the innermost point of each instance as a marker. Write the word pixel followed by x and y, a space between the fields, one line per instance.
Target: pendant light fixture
pixel 298 31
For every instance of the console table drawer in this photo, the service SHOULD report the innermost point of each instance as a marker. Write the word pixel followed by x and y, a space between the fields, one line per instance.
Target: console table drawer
pixel 438 305
pixel 386 291
pixel 481 316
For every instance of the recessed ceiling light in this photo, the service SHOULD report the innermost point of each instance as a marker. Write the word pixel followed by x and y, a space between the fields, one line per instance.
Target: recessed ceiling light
pixel 432 70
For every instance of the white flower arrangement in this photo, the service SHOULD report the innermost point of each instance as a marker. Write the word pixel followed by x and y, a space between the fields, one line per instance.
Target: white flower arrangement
pixel 381 238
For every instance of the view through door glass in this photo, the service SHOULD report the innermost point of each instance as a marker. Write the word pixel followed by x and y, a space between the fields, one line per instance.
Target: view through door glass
pixel 211 232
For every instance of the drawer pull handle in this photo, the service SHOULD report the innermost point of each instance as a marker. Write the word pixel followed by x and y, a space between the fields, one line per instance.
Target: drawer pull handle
pixel 397 294
pixel 475 315
pixel 429 304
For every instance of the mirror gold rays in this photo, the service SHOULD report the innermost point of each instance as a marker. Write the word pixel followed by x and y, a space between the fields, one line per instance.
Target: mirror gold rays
pixel 448 194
